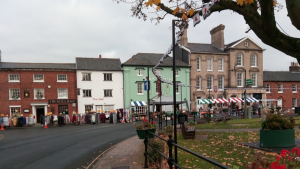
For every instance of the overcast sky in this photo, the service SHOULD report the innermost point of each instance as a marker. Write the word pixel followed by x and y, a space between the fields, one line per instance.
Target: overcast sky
pixel 58 31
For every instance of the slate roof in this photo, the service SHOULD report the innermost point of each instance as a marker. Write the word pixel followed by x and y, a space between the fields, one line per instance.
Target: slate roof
pixel 281 76
pixel 232 43
pixel 100 64
pixel 207 48
pixel 151 59
pixel 14 65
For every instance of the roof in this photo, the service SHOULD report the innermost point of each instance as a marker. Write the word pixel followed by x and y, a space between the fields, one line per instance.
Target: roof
pixel 281 76
pixel 151 59
pixel 100 64
pixel 233 44
pixel 206 48
pixel 14 65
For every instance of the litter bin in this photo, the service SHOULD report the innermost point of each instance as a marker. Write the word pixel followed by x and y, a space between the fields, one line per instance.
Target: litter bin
pixel 182 118
pixel 297 110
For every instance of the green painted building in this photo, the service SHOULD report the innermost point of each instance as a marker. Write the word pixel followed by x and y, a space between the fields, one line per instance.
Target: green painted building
pixel 135 72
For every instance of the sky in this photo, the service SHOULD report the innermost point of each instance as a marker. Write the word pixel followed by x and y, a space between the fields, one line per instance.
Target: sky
pixel 58 31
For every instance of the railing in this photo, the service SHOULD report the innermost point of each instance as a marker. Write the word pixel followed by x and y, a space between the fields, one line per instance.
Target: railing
pixel 169 158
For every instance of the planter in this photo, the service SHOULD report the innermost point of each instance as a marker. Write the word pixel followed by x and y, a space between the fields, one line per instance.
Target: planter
pixel 142 133
pixel 277 138
pixel 194 113
pixel 225 110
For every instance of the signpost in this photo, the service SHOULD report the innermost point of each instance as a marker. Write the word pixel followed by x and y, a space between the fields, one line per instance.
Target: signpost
pixel 248 82
pixel 146 85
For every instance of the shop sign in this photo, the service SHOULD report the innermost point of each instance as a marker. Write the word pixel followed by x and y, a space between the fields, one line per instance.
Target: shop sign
pixel 248 82
pixel 26 93
pixel 98 98
pixel 62 101
pixel 26 110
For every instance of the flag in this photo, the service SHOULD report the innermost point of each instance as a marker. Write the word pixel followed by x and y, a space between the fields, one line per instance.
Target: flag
pixel 196 19
pixel 205 11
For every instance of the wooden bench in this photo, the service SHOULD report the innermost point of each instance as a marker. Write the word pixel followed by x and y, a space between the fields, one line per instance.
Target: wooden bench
pixel 188 132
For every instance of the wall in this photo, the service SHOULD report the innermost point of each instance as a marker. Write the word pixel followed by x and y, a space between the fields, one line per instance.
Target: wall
pixel 97 85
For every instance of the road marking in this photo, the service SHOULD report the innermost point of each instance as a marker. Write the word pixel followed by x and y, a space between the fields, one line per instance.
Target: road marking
pixel 100 155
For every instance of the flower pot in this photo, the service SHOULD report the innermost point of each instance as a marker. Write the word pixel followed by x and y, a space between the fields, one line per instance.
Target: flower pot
pixel 142 133
pixel 277 138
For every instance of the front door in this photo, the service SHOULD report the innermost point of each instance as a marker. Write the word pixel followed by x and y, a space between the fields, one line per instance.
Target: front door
pixel 279 102
pixel 39 113
pixel 99 109
pixel 62 109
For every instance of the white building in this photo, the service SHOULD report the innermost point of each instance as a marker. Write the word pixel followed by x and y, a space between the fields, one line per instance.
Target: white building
pixel 99 84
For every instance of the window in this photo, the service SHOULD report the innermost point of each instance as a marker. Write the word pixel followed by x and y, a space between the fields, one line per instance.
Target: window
pixel 209 64
pixel 177 72
pixel 39 94
pixel 14 93
pixel 140 87
pixel 139 72
pixel 253 60
pixel 108 108
pixel 209 82
pixel 78 92
pixel 88 108
pixel 140 110
pixel 239 59
pixel 108 93
pixel 294 88
pixel 220 64
pixel 280 88
pixel 87 93
pixel 269 104
pixel 62 93
pixel 268 86
pixel 38 78
pixel 294 100
pixel 198 63
pixel 15 110
pixel 254 80
pixel 239 79
pixel 220 83
pixel 14 78
pixel 177 88
pixel 61 78
pixel 86 77
pixel 107 77
pixel 198 83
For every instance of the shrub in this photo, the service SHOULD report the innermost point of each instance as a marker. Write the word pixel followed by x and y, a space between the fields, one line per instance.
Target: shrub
pixel 154 155
pixel 191 123
pixel 277 122
pixel 168 130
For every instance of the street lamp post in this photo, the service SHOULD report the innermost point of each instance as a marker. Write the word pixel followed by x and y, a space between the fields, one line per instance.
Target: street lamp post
pixel 245 106
pixel 148 100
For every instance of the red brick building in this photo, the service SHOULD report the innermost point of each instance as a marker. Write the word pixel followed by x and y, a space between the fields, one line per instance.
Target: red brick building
pixel 284 86
pixel 37 88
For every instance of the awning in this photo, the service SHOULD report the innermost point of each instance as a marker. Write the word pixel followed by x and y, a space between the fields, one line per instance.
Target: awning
pixel 220 101
pixel 267 100
pixel 251 99
pixel 235 100
pixel 205 101
pixel 138 103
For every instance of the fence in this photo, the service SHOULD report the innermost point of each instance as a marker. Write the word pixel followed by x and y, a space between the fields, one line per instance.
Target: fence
pixel 169 158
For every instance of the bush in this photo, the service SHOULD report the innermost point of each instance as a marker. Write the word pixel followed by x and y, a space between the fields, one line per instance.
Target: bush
pixel 191 123
pixel 154 155
pixel 168 130
pixel 277 122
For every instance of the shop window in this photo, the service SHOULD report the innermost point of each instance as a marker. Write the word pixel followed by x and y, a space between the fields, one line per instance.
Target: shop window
pixel 88 108
pixel 14 111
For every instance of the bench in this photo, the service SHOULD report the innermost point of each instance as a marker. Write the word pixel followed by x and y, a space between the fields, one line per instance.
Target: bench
pixel 221 117
pixel 188 132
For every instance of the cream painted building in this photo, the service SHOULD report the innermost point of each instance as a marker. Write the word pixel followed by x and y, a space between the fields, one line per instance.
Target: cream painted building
pixel 221 69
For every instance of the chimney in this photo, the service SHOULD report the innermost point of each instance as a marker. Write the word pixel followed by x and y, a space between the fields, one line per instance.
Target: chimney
pixel 217 36
pixel 100 56
pixel 184 38
pixel 294 67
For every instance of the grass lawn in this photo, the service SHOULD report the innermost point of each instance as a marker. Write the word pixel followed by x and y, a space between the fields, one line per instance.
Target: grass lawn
pixel 221 147
pixel 237 124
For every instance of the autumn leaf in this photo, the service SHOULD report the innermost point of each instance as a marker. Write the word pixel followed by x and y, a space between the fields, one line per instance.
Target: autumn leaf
pixel 158 8
pixel 190 12
pixel 184 17
pixel 156 2
pixel 240 2
pixel 274 3
pixel 182 10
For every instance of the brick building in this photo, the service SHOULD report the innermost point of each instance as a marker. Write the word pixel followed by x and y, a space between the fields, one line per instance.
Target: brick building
pixel 37 88
pixel 283 86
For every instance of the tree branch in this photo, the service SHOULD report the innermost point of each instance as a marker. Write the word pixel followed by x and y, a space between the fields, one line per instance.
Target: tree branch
pixel 293 8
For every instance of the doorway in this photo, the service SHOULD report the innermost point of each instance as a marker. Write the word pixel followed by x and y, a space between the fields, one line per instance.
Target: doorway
pixel 62 109
pixel 279 102
pixel 39 112
pixel 99 109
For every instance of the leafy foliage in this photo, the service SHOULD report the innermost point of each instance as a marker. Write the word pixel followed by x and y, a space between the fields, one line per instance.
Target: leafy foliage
pixel 145 125
pixel 277 122
pixel 192 123
pixel 159 145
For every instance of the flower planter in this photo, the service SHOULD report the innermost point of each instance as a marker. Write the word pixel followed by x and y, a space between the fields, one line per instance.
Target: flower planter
pixel 142 133
pixel 277 138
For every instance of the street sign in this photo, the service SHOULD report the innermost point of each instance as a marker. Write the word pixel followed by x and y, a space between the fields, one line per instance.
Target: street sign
pixel 146 85
pixel 215 89
pixel 248 82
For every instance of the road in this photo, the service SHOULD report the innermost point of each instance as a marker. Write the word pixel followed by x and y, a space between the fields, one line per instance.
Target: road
pixel 59 147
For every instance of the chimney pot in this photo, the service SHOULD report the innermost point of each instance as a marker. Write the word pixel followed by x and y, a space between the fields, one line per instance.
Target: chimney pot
pixel 100 56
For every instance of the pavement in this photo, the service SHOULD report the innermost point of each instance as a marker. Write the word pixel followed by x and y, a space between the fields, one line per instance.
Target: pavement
pixel 128 154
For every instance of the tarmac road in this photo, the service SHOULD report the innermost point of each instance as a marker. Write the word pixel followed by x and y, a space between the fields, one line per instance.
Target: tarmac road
pixel 59 147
